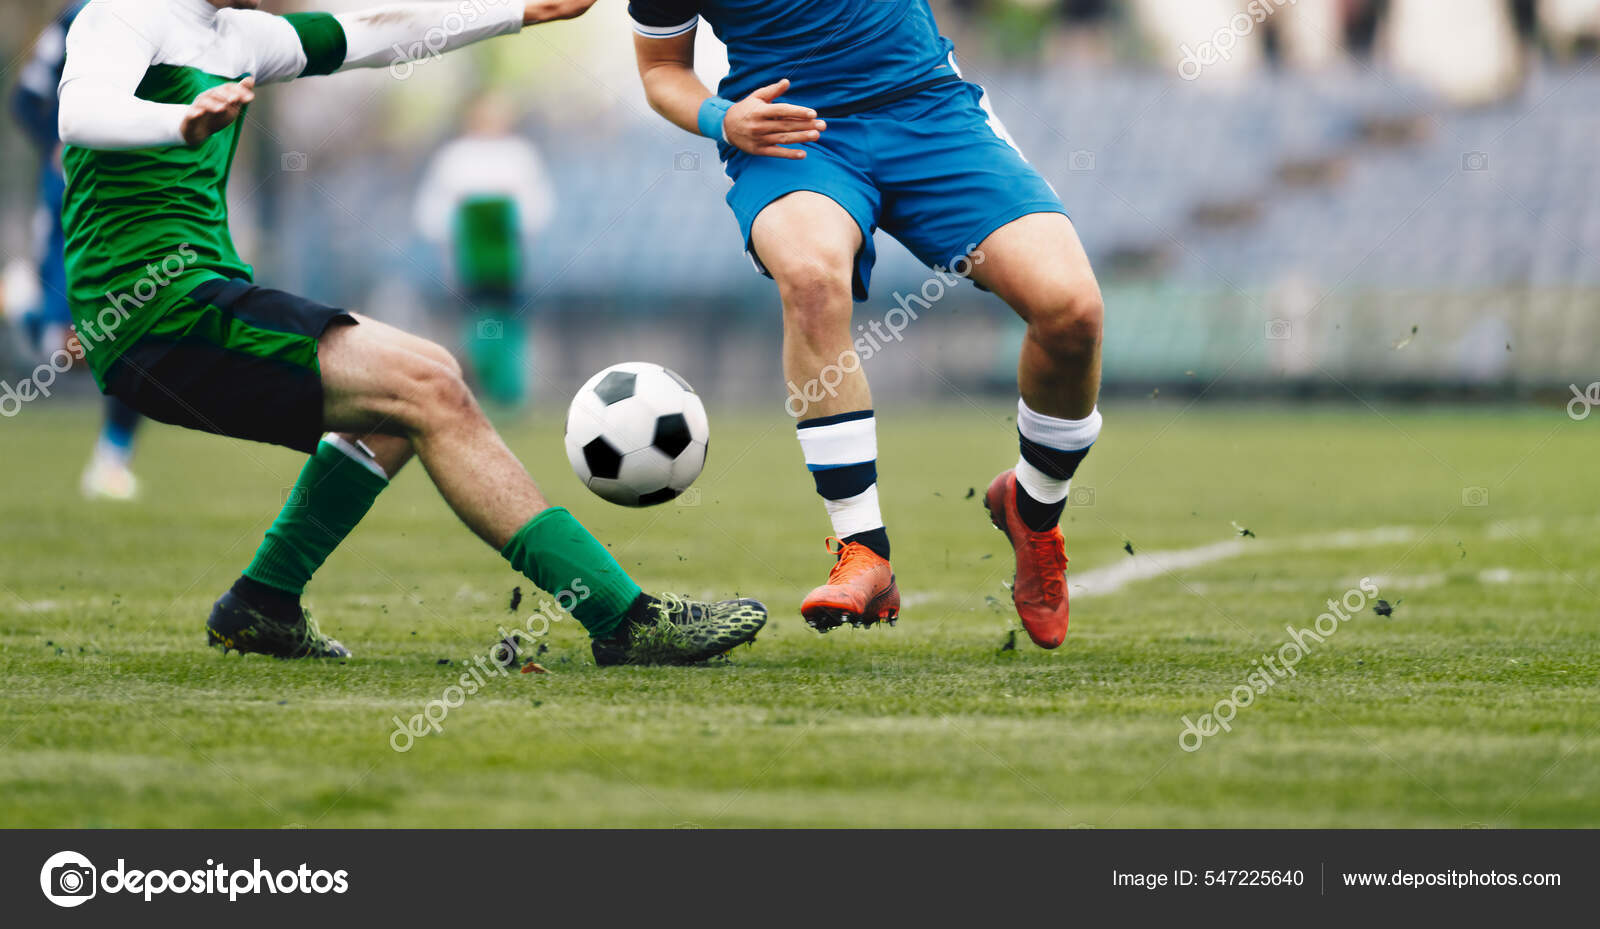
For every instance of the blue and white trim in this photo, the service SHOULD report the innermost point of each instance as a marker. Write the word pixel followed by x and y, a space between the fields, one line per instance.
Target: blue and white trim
pixel 839 441
pixel 665 32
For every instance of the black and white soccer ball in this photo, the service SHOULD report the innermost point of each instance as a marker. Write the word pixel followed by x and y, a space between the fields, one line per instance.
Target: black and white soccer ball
pixel 637 434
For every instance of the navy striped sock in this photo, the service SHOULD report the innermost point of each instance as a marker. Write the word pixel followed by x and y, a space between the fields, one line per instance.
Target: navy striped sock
pixel 1040 515
pixel 841 453
pixel 1052 450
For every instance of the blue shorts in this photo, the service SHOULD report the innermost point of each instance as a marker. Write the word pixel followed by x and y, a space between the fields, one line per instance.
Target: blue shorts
pixel 936 170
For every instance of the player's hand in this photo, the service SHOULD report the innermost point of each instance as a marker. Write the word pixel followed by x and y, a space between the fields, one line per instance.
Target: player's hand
pixel 216 110
pixel 544 11
pixel 760 126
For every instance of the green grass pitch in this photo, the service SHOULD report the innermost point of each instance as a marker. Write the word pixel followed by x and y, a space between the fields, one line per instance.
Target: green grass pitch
pixel 1476 702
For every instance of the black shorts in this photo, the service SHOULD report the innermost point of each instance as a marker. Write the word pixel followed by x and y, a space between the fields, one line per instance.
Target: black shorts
pixel 232 359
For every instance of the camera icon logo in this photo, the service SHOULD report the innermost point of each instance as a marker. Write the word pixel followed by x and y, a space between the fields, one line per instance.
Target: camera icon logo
pixel 491 330
pixel 1081 161
pixel 67 879
pixel 1474 496
pixel 686 161
pixel 1475 161
pixel 1082 496
pixel 295 162
pixel 1279 330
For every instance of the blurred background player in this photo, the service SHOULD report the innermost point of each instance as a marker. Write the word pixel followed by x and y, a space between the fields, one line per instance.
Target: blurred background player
pixel 48 325
pixel 484 199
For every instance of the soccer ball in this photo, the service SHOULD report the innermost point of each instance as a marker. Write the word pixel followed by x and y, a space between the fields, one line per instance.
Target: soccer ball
pixel 637 434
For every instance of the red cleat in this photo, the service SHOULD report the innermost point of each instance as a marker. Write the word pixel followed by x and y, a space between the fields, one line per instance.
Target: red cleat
pixel 1039 589
pixel 860 591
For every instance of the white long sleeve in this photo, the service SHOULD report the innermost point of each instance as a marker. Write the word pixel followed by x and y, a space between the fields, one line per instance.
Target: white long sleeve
pixel 100 114
pixel 108 53
pixel 114 44
pixel 407 32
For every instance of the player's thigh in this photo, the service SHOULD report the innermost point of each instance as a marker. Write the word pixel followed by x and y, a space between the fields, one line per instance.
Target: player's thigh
pixel 809 218
pixel 1037 265
pixel 805 234
pixel 973 204
pixel 377 378
pixel 416 344
pixel 234 359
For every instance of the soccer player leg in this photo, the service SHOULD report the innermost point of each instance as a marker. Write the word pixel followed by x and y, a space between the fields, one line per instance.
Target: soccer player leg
pixel 813 246
pixel 109 475
pixel 240 360
pixel 1038 266
pixel 381 380
pixel 1003 225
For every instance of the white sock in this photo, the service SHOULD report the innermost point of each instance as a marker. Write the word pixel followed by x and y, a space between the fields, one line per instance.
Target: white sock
pixel 855 515
pixel 109 452
pixel 843 460
pixel 1039 485
pixel 1065 435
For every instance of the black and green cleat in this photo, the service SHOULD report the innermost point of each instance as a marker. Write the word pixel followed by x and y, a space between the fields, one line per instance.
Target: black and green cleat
pixel 673 630
pixel 237 626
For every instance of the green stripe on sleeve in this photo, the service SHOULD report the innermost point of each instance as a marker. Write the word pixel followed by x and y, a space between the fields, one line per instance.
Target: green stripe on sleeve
pixel 323 40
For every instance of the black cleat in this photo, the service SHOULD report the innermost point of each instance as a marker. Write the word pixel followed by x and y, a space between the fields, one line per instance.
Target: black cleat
pixel 237 626
pixel 673 630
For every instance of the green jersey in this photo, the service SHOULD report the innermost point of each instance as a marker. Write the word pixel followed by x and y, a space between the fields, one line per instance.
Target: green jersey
pixel 146 216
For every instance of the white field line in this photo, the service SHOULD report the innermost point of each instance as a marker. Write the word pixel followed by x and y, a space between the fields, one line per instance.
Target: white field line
pixel 1146 565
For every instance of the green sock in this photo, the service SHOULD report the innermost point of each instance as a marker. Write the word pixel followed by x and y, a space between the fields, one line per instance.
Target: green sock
pixel 560 556
pixel 334 491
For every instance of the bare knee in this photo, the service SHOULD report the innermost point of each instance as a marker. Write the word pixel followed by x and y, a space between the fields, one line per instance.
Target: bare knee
pixel 433 394
pixel 815 288
pixel 1066 320
pixel 373 333
pixel 433 351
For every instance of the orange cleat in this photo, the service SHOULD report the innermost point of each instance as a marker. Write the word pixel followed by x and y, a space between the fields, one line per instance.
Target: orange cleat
pixel 860 590
pixel 1039 589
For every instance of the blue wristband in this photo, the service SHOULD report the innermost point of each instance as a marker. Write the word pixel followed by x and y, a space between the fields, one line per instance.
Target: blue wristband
pixel 711 114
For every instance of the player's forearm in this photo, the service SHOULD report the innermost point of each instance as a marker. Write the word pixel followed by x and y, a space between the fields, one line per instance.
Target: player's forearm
pixel 394 34
pixel 406 32
pixel 545 11
pixel 676 92
pixel 104 117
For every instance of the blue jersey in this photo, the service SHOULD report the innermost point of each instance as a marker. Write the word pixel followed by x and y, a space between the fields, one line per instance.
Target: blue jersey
pixel 839 55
